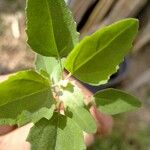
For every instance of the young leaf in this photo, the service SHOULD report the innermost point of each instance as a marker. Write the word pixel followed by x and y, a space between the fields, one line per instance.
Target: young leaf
pixel 59 133
pixel 50 65
pixel 45 63
pixel 74 102
pixel 24 91
pixel 112 101
pixel 54 33
pixel 57 73
pixel 96 57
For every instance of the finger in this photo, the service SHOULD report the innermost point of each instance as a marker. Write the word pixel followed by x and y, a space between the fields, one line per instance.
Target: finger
pixel 6 129
pixel 16 139
pixel 88 139
pixel 104 122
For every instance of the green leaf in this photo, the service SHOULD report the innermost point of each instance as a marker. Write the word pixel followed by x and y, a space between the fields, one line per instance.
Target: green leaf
pixel 44 112
pixel 57 73
pixel 72 96
pixel 26 116
pixel 50 27
pixel 112 101
pixel 96 57
pixel 23 91
pixel 59 133
pixel 47 64
pixel 83 118
pixel 50 65
pixel 74 102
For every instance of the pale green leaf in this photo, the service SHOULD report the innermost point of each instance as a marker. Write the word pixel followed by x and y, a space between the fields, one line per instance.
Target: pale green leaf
pixel 50 65
pixel 96 57
pixel 58 71
pixel 44 112
pixel 59 133
pixel 23 91
pixel 72 96
pixel 26 116
pixel 83 118
pixel 51 29
pixel 74 102
pixel 112 101
pixel 47 64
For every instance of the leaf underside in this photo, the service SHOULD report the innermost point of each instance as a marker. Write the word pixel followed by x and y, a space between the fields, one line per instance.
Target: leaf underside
pixel 112 101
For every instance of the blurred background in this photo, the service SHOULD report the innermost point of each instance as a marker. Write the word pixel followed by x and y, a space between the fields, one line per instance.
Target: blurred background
pixel 131 130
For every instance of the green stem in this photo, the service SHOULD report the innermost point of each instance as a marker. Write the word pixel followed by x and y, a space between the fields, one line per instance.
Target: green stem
pixel 61 67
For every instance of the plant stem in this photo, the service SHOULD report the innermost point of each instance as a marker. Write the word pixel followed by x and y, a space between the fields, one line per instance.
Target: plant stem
pixel 61 67
pixel 68 76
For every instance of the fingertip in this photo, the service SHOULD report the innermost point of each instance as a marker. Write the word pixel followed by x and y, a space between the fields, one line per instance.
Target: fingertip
pixel 6 129
pixel 104 122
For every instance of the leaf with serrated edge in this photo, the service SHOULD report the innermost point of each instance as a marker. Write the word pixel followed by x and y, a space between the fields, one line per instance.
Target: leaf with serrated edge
pixel 23 91
pixel 53 34
pixel 59 133
pixel 96 57
pixel 74 100
pixel 112 101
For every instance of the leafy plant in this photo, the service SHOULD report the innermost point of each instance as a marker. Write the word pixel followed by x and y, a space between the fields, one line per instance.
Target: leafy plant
pixel 51 101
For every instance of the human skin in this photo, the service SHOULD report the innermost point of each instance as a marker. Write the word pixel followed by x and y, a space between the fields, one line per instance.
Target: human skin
pixel 15 138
